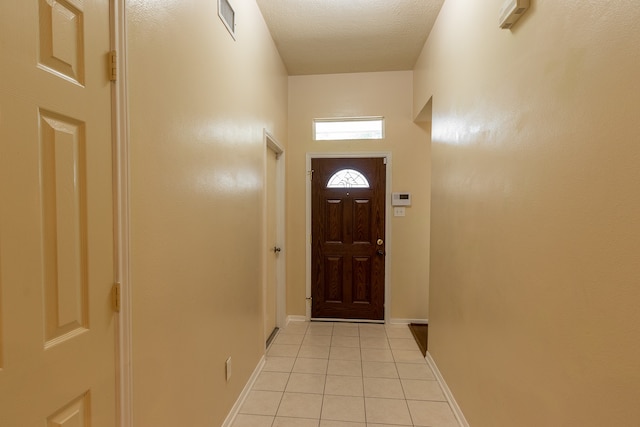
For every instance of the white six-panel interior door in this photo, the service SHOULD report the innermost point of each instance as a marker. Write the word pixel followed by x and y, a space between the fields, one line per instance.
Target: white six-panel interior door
pixel 57 330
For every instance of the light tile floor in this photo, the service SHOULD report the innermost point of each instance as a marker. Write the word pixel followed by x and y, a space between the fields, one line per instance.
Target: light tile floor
pixel 322 374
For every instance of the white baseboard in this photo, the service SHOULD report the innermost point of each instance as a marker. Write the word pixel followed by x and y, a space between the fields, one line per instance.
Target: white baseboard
pixel 291 318
pixel 228 422
pixel 447 392
pixel 397 321
pixel 394 321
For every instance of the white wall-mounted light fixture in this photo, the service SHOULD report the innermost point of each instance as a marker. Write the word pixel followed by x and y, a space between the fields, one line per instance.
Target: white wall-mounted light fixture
pixel 511 11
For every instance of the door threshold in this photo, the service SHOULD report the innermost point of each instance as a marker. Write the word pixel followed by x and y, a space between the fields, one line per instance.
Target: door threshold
pixel 326 319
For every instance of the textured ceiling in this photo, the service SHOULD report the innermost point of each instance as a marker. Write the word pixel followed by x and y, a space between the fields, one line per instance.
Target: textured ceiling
pixel 347 36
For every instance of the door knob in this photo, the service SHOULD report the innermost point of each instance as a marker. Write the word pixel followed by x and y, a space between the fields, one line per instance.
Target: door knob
pixel 276 249
pixel 380 242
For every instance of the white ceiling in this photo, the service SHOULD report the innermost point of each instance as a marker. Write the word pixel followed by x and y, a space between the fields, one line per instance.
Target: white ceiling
pixel 347 36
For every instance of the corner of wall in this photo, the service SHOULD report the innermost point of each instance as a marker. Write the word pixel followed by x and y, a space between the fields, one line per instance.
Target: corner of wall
pixel 425 114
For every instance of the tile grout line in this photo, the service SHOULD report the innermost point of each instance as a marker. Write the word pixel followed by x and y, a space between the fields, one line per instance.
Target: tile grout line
pixel 326 371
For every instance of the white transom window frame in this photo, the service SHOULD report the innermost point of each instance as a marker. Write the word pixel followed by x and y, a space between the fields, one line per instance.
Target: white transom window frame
pixel 357 132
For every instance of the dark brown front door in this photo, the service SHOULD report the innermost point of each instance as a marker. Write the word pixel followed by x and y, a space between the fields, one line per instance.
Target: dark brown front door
pixel 348 250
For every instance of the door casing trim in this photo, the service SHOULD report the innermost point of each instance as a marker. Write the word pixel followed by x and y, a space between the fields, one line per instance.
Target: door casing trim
pixel 270 142
pixel 387 223
pixel 120 129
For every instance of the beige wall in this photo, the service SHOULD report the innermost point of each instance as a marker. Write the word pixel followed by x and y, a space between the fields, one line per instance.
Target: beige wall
pixel 387 94
pixel 535 211
pixel 199 102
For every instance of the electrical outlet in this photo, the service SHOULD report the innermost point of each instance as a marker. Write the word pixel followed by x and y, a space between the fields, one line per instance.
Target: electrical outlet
pixel 227 368
pixel 398 211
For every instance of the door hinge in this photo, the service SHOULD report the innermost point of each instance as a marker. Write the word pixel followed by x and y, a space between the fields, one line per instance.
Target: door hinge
pixel 310 173
pixel 112 64
pixel 115 297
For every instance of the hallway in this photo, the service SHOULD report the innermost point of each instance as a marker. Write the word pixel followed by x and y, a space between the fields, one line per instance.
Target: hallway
pixel 134 234
pixel 345 375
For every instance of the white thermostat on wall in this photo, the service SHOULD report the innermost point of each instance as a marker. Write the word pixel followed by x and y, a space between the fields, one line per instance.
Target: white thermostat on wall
pixel 400 199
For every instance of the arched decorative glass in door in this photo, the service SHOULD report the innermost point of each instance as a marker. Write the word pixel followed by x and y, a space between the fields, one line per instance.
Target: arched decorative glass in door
pixel 348 178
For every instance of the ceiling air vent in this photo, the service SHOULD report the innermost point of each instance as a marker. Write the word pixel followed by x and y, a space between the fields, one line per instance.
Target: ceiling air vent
pixel 228 16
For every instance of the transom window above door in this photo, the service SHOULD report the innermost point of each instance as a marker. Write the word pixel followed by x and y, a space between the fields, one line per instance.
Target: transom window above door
pixel 348 178
pixel 348 128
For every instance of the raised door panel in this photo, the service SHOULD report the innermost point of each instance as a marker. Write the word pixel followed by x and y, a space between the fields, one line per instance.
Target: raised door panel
pixel 334 279
pixel 61 38
pixel 63 172
pixel 74 414
pixel 361 280
pixel 334 217
pixel 361 221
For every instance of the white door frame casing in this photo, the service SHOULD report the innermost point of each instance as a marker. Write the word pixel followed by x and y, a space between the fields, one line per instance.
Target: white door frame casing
pixel 120 129
pixel 271 143
pixel 387 224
